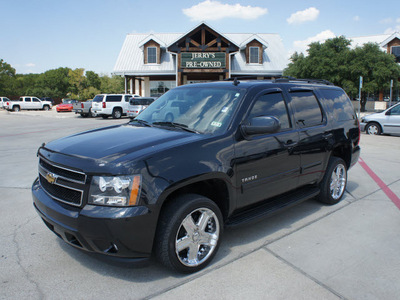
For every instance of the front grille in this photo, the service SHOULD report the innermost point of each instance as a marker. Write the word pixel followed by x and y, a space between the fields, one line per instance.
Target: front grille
pixel 62 184
pixel 64 172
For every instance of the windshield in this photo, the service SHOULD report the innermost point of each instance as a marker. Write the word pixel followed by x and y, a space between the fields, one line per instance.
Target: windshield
pixel 204 110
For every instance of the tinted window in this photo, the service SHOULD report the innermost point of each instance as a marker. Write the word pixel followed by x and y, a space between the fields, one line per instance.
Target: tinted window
pixel 28 100
pixel 114 98
pixel 339 104
pixel 271 105
pixel 151 55
pixel 308 112
pixel 98 98
pixel 127 97
pixel 36 100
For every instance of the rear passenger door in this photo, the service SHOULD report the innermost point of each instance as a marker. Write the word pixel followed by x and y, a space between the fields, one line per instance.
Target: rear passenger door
pixel 314 134
pixel 267 165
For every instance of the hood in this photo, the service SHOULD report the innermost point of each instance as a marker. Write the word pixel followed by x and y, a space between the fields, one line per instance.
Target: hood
pixel 112 144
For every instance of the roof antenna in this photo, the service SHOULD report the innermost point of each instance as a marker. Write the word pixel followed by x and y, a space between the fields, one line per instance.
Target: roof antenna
pixel 235 81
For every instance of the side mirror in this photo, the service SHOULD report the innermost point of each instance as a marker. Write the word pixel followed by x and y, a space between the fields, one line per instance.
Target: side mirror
pixel 261 125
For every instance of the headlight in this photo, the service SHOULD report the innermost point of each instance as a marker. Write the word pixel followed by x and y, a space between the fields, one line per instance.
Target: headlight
pixel 115 190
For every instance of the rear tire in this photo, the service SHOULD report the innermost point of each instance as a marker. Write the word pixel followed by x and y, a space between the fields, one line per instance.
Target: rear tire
pixel 333 185
pixel 117 113
pixel 189 233
pixel 16 108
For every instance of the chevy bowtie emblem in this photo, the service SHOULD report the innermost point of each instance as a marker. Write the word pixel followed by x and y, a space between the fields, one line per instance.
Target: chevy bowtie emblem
pixel 51 178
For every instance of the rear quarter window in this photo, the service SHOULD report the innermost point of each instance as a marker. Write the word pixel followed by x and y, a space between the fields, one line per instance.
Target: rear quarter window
pixel 338 104
pixel 114 98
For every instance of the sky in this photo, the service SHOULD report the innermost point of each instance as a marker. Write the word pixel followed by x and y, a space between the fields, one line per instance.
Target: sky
pixel 40 35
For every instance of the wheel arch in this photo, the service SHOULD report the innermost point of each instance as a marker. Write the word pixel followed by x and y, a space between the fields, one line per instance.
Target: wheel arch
pixel 216 189
pixel 344 152
pixel 374 122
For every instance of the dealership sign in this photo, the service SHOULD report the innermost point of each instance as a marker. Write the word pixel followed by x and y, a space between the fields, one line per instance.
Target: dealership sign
pixel 203 60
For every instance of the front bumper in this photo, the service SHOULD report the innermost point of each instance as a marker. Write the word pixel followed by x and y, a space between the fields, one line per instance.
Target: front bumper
pixel 123 232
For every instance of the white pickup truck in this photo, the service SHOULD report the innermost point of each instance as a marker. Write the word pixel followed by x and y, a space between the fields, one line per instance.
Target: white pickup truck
pixel 27 102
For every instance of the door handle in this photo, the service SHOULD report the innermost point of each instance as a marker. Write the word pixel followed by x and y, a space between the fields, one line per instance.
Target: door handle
pixel 327 135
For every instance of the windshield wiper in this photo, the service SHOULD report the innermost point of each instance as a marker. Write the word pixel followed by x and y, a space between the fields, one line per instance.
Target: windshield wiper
pixel 176 125
pixel 141 122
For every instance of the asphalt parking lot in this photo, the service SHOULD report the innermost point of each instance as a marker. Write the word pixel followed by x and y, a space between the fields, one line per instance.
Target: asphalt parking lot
pixel 311 251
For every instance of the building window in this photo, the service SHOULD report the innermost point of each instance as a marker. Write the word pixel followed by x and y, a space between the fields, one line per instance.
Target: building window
pixel 157 88
pixel 254 55
pixel 396 52
pixel 151 55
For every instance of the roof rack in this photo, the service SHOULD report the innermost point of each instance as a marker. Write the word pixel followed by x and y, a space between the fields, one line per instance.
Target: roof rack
pixel 307 80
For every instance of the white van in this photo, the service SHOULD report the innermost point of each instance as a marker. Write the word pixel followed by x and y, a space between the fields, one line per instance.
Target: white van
pixel 137 105
pixel 115 105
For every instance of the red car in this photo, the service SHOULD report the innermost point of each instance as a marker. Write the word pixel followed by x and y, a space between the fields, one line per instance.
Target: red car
pixel 66 105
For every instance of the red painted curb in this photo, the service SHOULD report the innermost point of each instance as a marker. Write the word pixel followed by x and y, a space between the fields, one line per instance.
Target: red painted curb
pixel 392 196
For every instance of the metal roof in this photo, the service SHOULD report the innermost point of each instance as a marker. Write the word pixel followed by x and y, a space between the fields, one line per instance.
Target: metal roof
pixel 131 58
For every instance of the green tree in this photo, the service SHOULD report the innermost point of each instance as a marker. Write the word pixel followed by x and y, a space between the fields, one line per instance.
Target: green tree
pixel 92 80
pixel 54 83
pixel 7 76
pixel 112 85
pixel 76 82
pixel 333 60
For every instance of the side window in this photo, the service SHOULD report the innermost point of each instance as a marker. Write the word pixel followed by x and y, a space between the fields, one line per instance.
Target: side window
pixel 271 105
pixel 127 97
pixel 36 100
pixel 28 100
pixel 339 104
pixel 307 109
pixel 395 111
pixel 114 98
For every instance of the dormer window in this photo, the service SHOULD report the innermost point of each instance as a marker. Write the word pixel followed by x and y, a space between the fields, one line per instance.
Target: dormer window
pixel 151 55
pixel 396 52
pixel 254 55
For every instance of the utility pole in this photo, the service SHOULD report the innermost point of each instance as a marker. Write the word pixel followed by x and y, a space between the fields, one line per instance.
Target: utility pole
pixel 391 93
pixel 359 98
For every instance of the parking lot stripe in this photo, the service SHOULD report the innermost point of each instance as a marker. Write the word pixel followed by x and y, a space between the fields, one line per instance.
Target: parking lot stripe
pixel 392 196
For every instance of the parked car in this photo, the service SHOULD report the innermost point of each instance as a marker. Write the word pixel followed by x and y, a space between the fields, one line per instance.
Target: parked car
pixel 3 100
pixel 235 153
pixel 115 105
pixel 27 102
pixel 387 121
pixel 66 105
pixel 84 109
pixel 137 105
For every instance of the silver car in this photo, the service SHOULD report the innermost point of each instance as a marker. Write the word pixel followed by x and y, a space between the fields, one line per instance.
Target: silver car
pixel 137 105
pixel 387 121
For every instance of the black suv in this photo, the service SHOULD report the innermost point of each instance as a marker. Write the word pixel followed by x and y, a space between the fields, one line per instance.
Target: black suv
pixel 232 153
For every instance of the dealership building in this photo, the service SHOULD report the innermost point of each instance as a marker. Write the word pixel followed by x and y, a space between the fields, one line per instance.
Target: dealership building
pixel 154 63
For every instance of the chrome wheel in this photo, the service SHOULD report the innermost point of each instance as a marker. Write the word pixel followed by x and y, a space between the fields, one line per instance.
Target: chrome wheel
pixel 197 237
pixel 338 181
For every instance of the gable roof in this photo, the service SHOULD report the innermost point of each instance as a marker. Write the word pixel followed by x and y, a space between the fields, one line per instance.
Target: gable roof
pixel 390 38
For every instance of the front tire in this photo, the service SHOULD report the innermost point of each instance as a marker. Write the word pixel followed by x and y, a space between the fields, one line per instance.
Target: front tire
pixel 334 183
pixel 189 233
pixel 46 107
pixel 373 129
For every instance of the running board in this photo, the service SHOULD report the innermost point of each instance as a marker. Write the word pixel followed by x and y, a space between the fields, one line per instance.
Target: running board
pixel 274 205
